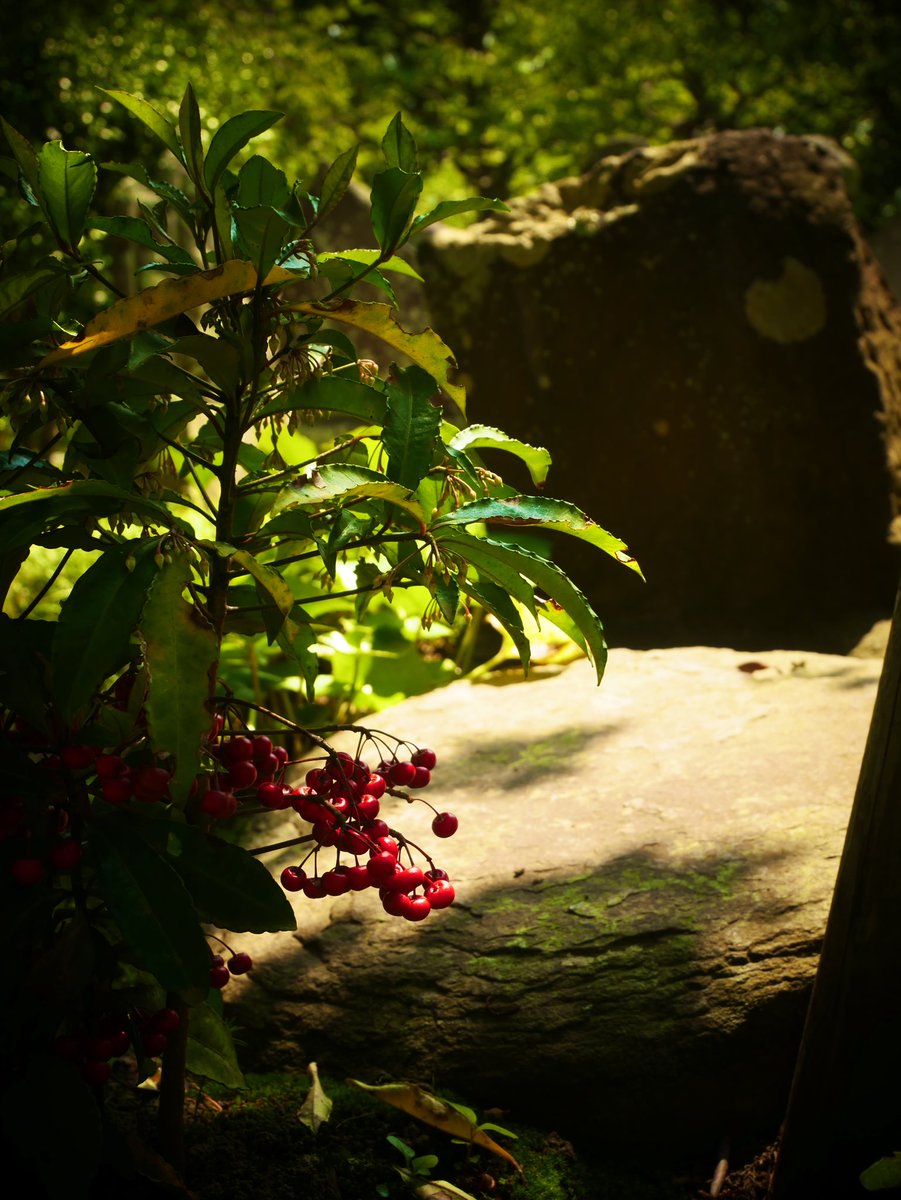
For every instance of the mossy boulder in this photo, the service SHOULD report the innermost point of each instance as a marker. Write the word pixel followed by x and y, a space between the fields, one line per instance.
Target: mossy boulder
pixel 700 335
pixel 643 874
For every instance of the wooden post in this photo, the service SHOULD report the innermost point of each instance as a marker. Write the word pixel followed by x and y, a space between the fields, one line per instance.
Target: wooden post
pixel 845 1105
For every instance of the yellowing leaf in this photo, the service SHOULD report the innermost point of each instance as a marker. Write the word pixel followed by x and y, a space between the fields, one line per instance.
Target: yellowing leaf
pixel 168 299
pixel 425 348
pixel 317 1107
pixel 431 1110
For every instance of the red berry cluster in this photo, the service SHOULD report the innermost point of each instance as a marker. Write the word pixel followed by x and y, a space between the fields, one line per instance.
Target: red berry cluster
pixel 248 765
pixel 342 801
pixel 222 971
pixel 93 1050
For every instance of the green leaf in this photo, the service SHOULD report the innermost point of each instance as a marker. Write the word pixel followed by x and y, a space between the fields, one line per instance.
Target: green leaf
pixel 181 652
pixel 484 437
pixel 317 1107
pixel 497 601
pixel 229 887
pixel 24 647
pixel 87 496
pixel 411 426
pixel 152 118
pixel 394 197
pixel 261 235
pixel 15 289
pixel 67 179
pixel 150 905
pixel 96 622
pixel 336 182
pixel 218 358
pixel 338 481
pixel 542 513
pixel 490 557
pixel 232 136
pixel 49 1104
pixel 24 154
pixel 454 208
pixel 272 588
pixel 189 130
pixel 261 184
pixel 883 1174
pixel 133 229
pixel 332 393
pixel 211 1049
pixel 369 257
pixel 447 597
pixel 399 146
pixel 222 216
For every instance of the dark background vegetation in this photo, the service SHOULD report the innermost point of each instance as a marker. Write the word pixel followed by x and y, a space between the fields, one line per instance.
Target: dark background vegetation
pixel 501 95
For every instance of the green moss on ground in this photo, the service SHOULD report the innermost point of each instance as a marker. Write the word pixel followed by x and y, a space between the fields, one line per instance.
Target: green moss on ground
pixel 256 1148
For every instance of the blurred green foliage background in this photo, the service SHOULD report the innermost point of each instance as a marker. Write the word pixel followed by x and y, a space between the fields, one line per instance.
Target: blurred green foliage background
pixel 501 94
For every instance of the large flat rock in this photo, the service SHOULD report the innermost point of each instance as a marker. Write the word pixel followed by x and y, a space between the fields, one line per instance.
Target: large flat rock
pixel 644 871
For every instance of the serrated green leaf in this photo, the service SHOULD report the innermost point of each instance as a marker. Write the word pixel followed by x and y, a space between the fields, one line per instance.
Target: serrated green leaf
pixel 332 393
pixel 399 146
pixel 189 131
pixel 272 588
pixel 487 555
pixel 411 426
pixel 260 184
pixel 211 1049
pixel 339 481
pixel 455 208
pixel 133 229
pixel 67 179
pixel 229 887
pixel 369 257
pixel 497 601
pixel 24 153
pixel 395 194
pixel 180 651
pixel 336 182
pixel 232 136
pixel 150 904
pixel 541 512
pixel 96 622
pixel 484 437
pixel 261 235
pixel 151 116
pixel 447 597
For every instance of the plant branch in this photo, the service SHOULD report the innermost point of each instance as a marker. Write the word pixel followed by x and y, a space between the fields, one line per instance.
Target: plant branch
pixel 57 571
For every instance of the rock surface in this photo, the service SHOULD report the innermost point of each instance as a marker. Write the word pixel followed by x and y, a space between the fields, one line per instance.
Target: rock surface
pixel 703 340
pixel 643 872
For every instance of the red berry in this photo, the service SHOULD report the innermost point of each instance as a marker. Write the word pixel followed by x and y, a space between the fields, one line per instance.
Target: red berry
pixel 381 867
pixel 336 882
pixel 308 808
pixel 236 749
pixel 76 758
pixel 96 1073
pixel 166 1021
pixel 395 903
pixel 326 832
pixel 375 786
pixel 116 791
pixel 65 856
pixel 217 960
pixel 440 894
pixel 150 783
pixel 219 976
pixel 377 829
pixel 422 778
pixel 292 878
pixel 274 795
pixel 154 1043
pixel 267 765
pixel 340 804
pixel 402 774
pixel 261 746
pixel 424 758
pixel 388 845
pixel 406 880
pixel 314 888
pixel 68 1046
pixel 28 871
pixel 359 878
pixel 445 825
pixel 119 1041
pixel 99 1048
pixel 242 774
pixel 435 874
pixel 218 804
pixel 353 841
pixel 417 909
pixel 109 766
pixel 319 780
pixel 240 964
pixel 368 807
